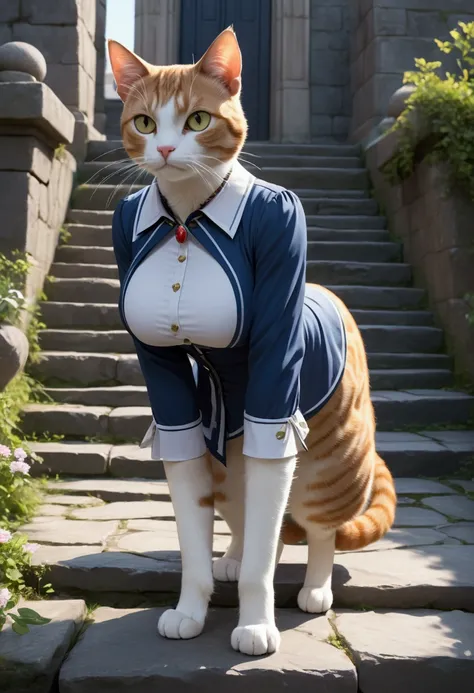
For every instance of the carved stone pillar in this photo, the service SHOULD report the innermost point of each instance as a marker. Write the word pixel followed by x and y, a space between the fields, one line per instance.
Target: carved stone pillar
pixel 157 30
pixel 290 79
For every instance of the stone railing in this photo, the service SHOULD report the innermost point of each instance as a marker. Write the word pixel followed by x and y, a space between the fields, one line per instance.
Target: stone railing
pixel 36 171
pixel 436 229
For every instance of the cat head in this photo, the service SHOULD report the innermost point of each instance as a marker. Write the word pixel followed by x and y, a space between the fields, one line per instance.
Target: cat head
pixel 180 120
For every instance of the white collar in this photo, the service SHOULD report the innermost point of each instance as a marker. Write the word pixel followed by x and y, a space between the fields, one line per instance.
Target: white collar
pixel 225 209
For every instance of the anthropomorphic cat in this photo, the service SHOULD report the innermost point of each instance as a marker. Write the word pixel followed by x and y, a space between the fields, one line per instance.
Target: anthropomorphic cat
pixel 258 383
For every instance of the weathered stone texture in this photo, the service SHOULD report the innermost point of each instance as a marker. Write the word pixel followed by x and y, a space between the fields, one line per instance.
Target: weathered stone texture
pixel 386 38
pixel 330 103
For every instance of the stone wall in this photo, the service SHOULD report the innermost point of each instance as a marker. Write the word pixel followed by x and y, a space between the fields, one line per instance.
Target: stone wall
pixel 387 36
pixel 436 230
pixel 65 32
pixel 331 21
pixel 36 171
pixel 100 118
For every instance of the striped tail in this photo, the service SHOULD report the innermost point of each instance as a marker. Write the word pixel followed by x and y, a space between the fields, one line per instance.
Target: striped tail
pixel 364 529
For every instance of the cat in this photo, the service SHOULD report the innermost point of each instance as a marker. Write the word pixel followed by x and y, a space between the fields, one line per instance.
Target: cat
pixel 185 125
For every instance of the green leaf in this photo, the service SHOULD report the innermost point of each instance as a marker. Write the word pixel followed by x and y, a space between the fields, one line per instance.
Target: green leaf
pixel 13 574
pixel 20 628
pixel 30 616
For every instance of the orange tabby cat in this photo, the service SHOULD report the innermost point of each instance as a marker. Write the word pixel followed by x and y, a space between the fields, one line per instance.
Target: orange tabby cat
pixel 185 125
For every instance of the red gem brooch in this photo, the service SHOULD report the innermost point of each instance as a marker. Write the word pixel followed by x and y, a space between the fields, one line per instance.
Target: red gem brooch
pixel 181 234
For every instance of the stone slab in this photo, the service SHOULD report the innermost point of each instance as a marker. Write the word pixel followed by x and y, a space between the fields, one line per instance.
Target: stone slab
pixel 408 516
pixel 411 651
pixel 132 461
pixel 59 499
pixel 116 489
pixel 151 544
pixel 467 485
pixel 51 510
pixel 29 663
pixel 124 510
pixel 409 537
pixel 169 526
pixel 421 486
pixel 36 105
pixel 458 507
pixel 121 651
pixel 71 458
pixel 71 532
pixel 464 531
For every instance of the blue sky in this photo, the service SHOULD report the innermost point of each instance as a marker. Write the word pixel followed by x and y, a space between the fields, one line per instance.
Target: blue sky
pixel 120 22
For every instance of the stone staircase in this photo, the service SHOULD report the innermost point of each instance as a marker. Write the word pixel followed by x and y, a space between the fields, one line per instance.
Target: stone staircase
pixel 107 530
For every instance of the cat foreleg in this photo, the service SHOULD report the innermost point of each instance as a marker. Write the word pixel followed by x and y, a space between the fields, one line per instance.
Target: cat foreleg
pixel 190 484
pixel 268 484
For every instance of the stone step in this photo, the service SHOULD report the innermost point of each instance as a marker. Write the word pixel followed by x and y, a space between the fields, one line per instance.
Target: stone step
pixel 85 368
pixel 112 150
pixel 105 315
pixel 394 410
pixel 113 172
pixel 117 654
pixel 92 290
pixel 317 250
pixel 106 197
pixel 332 274
pixel 435 453
pixel 377 338
pixel 89 235
pixel 98 217
pixel 67 270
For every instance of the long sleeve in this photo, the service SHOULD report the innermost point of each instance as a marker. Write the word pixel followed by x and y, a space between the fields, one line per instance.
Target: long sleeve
pixel 176 432
pixel 274 428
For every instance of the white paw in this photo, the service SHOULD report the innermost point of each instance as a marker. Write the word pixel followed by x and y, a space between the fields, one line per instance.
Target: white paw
pixel 177 626
pixel 256 640
pixel 315 600
pixel 226 569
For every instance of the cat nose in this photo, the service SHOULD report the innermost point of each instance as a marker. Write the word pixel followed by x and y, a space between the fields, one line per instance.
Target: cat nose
pixel 165 151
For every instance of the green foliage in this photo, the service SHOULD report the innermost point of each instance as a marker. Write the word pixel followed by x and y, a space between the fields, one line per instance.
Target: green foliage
pixel 444 108
pixel 64 235
pixel 59 151
pixel 470 308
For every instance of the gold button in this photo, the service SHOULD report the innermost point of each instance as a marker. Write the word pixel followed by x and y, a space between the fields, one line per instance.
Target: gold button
pixel 280 435
pixel 187 341
pixel 174 328
pixel 176 287
pixel 181 258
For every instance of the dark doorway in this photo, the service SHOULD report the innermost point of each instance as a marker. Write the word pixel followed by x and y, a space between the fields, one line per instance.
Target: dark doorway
pixel 203 20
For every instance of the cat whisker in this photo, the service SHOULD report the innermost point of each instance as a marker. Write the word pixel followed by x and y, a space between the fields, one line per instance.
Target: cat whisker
pixel 103 168
pixel 109 151
pixel 250 163
pixel 257 156
pixel 112 193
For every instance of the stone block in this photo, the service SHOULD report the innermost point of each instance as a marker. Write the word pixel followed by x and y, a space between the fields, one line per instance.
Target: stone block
pixel 13 353
pixel 71 458
pixel 50 11
pixel 329 69
pixel 111 489
pixel 422 486
pixel 459 334
pixel 325 40
pixel 133 661
pixel 64 81
pixel 10 11
pixel 26 154
pixel 36 106
pixel 426 24
pixel 31 662
pixel 87 13
pixel 327 18
pixel 321 125
pixel 59 44
pixel 417 517
pixel 326 100
pixel 458 507
pixel 411 651
pixel 387 22
pixel 15 210
pixel 127 510
pixel 340 126
pixel 87 51
pixel 397 54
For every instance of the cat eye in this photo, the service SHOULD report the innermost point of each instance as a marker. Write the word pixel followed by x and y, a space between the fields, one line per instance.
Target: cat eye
pixel 198 121
pixel 144 124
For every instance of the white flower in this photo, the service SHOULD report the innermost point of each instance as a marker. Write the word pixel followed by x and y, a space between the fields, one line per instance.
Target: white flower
pixel 5 536
pixel 19 466
pixel 5 596
pixel 20 454
pixel 31 548
pixel 4 451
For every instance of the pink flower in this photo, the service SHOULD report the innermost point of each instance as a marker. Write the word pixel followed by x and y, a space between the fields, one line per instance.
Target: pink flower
pixel 5 596
pixel 20 454
pixel 31 548
pixel 4 451
pixel 19 466
pixel 5 536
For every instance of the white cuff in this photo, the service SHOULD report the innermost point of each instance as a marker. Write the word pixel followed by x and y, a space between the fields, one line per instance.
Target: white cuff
pixel 175 443
pixel 274 439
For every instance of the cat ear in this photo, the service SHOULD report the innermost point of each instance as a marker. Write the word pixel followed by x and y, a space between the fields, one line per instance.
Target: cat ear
pixel 126 66
pixel 223 61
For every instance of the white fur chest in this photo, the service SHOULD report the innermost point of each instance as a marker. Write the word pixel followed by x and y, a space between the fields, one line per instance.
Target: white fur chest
pixel 181 294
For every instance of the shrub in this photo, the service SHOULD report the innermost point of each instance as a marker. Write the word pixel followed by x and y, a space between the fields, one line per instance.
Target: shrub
pixel 444 106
